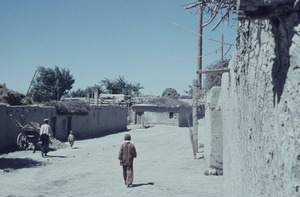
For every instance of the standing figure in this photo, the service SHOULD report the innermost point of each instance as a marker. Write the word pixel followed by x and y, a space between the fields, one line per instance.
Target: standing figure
pixel 45 134
pixel 126 155
pixel 71 139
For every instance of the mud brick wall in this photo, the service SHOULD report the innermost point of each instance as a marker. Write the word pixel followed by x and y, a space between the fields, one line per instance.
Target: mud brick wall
pixel 260 103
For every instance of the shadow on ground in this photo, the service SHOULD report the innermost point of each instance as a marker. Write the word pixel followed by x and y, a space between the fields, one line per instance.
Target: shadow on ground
pixel 142 184
pixel 58 156
pixel 18 163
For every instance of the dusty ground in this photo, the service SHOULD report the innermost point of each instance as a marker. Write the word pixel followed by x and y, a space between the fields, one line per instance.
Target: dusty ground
pixel 164 167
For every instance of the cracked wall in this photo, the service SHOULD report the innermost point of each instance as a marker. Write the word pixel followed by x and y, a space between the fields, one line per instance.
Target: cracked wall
pixel 260 102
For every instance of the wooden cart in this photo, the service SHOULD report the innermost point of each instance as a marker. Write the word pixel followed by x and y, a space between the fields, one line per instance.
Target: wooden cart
pixel 29 135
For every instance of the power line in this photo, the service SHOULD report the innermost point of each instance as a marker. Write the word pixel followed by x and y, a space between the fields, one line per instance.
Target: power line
pixel 225 43
pixel 215 51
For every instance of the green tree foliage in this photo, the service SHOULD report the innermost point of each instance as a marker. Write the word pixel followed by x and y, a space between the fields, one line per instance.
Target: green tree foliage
pixel 91 89
pixel 120 86
pixel 51 84
pixel 170 93
pixel 83 93
pixel 79 93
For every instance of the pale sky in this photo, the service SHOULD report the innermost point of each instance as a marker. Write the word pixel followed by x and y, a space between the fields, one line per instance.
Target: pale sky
pixel 97 39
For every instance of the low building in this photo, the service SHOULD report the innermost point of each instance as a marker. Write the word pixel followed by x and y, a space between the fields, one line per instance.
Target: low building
pixel 151 114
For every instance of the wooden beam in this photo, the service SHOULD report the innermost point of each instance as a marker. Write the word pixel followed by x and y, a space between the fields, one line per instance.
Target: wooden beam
pixel 221 70
pixel 200 45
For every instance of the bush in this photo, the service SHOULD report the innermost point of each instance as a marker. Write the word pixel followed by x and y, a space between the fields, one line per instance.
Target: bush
pixel 170 93
pixel 214 79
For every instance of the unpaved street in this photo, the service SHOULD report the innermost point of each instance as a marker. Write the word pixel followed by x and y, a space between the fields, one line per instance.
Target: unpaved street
pixel 164 167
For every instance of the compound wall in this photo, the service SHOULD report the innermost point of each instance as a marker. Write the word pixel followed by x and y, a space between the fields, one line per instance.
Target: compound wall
pixel 101 120
pixel 261 109
pixel 23 114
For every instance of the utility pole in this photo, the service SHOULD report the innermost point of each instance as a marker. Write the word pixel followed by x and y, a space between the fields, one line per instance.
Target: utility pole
pixel 200 31
pixel 199 78
pixel 197 84
pixel 222 47
pixel 31 82
pixel 215 9
pixel 195 117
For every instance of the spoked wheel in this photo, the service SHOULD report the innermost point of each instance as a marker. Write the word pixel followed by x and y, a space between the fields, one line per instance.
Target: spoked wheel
pixel 22 141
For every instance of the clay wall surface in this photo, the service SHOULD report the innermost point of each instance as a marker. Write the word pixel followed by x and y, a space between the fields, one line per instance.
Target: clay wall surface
pixel 4 141
pixel 101 120
pixel 213 135
pixel 260 103
pixel 148 115
pixel 161 116
pixel 185 117
pixel 24 114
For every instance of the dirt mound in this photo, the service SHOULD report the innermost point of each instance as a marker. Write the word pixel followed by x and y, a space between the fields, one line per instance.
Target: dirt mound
pixel 56 144
pixel 11 97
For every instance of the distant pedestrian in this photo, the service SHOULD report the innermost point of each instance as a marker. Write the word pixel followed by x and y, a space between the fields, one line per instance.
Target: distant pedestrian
pixel 71 139
pixel 126 156
pixel 45 134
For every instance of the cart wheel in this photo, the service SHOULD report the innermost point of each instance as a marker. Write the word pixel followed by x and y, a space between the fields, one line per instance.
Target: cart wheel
pixel 22 141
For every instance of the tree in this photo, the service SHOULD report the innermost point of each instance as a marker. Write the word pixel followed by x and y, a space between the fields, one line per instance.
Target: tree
pixel 120 86
pixel 78 93
pixel 51 84
pixel 90 89
pixel 222 8
pixel 170 93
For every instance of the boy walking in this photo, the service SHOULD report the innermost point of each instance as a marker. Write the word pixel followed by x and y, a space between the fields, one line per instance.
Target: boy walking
pixel 126 156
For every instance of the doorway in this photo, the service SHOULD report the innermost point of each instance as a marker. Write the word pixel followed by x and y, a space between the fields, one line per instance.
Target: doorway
pixel 69 125
pixel 53 125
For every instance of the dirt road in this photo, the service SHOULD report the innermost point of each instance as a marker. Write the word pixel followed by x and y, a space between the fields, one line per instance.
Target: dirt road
pixel 164 167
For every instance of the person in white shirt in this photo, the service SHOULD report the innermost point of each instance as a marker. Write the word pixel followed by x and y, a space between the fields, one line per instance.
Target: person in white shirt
pixel 45 134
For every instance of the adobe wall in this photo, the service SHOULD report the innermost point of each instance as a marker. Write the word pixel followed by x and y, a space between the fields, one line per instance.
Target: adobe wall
pixel 24 114
pixel 213 134
pixel 4 141
pixel 101 120
pixel 185 117
pixel 161 116
pixel 260 103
